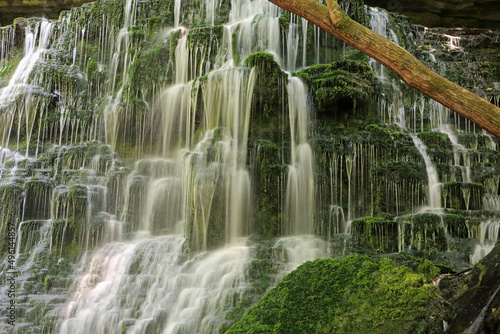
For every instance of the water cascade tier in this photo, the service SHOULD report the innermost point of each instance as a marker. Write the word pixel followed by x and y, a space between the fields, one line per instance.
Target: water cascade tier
pixel 164 164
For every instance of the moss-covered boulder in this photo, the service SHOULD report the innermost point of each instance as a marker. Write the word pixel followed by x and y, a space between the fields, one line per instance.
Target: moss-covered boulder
pixel 357 294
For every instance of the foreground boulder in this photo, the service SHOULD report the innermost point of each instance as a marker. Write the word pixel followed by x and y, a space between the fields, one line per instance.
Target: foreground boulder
pixel 357 294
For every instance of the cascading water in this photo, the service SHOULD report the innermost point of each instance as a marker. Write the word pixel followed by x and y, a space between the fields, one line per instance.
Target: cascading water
pixel 300 186
pixel 36 43
pixel 489 236
pixel 163 294
pixel 434 186
pixel 200 184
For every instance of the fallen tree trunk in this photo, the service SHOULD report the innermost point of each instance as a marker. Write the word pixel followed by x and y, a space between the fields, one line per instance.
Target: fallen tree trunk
pixel 415 74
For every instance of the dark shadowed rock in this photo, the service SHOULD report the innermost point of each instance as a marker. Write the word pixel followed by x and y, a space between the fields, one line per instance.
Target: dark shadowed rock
pixel 446 13
pixel 477 306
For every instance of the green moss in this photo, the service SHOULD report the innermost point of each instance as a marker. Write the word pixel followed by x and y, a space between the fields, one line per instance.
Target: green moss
pixel 37 199
pixel 462 196
pixel 339 85
pixel 379 135
pixel 102 11
pixel 150 68
pixel 67 238
pixel 269 92
pixel 427 233
pixel 204 43
pixel 481 172
pixel 398 171
pixel 92 67
pixel 162 16
pixel 48 273
pixel 456 225
pixel 9 65
pixel 262 272
pixel 10 214
pixel 235 49
pixel 357 294
pixel 420 265
pixel 376 234
pixel 269 174
pixel 433 139
pixel 69 211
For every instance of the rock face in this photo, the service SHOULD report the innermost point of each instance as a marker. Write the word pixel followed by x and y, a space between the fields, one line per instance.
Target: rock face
pixel 446 13
pixel 10 9
pixel 478 305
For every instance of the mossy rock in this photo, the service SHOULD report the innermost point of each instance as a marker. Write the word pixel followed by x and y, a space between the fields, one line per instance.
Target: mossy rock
pixel 136 194
pixel 70 203
pixel 478 301
pixel 426 232
pixel 269 94
pixel 204 38
pixel 433 139
pixel 31 231
pixel 376 233
pixel 456 226
pixel 398 171
pixel 11 202
pixel 483 171
pixel 67 238
pixel 152 67
pixel 339 86
pixel 48 273
pixel 462 196
pixel 269 174
pixel 38 195
pixel 357 294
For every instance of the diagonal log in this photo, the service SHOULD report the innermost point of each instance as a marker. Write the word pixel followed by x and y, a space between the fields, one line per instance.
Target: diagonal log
pixel 415 74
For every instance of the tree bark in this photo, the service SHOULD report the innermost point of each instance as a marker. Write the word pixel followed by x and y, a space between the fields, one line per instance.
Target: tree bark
pixel 415 74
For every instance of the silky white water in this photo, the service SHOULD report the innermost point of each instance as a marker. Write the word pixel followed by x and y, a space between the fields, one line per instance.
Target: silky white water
pixel 155 283
pixel 488 238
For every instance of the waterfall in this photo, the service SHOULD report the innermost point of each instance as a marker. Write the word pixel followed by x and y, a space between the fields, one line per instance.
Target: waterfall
pixel 488 237
pixel 35 45
pixel 300 185
pixel 120 63
pixel 153 228
pixel 164 294
pixel 434 187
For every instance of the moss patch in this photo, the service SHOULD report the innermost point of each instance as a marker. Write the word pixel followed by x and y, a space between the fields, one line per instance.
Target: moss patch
pixel 376 233
pixel 269 87
pixel 357 294
pixel 339 85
